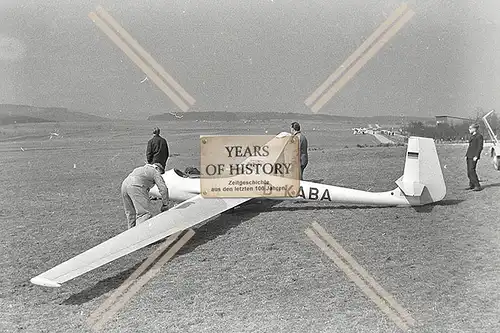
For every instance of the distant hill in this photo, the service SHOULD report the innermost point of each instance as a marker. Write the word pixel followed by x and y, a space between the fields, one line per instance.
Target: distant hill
pixel 242 116
pixel 7 120
pixel 15 114
pixel 262 116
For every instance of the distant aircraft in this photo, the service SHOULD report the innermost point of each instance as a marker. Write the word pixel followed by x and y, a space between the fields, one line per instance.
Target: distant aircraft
pixel 359 130
pixel 52 135
pixel 422 183
pixel 380 129
pixel 495 150
pixel 385 131
pixel 176 116
pixel 364 130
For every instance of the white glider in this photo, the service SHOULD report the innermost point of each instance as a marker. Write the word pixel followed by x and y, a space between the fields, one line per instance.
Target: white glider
pixel 422 183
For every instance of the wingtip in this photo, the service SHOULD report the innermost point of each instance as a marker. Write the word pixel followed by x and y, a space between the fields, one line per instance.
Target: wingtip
pixel 44 282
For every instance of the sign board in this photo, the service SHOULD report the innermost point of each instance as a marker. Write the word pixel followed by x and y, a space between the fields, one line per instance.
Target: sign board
pixel 249 166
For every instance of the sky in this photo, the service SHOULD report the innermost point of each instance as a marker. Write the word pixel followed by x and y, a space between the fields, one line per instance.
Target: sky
pixel 254 55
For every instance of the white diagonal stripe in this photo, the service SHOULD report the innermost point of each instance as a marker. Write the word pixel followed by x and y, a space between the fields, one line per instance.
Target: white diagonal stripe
pixel 362 61
pixel 357 280
pixel 138 61
pixel 147 57
pixel 356 54
pixel 364 274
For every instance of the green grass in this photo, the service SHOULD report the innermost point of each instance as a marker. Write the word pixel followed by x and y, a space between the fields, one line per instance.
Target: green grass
pixel 254 269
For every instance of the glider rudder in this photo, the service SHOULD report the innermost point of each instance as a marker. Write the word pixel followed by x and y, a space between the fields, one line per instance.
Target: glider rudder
pixel 423 176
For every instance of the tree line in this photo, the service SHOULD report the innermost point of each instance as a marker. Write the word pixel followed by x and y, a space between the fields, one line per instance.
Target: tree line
pixel 447 132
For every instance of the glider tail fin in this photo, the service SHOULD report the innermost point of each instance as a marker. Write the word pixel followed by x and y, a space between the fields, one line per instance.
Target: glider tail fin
pixel 422 181
pixel 495 149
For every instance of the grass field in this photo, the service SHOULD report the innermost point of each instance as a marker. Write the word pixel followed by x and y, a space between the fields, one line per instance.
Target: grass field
pixel 253 270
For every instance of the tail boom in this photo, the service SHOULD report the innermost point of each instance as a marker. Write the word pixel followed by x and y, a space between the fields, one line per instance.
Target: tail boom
pixel 320 192
pixel 422 182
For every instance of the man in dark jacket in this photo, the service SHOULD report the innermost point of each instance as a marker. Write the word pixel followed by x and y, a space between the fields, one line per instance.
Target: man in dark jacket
pixel 157 149
pixel 472 156
pixel 304 158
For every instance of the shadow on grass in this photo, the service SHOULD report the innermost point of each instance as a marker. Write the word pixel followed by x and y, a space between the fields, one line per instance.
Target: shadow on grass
pixel 428 208
pixel 226 221
pixel 296 208
pixel 490 185
pixel 101 288
pixel 425 208
pixel 215 228
pixel 205 233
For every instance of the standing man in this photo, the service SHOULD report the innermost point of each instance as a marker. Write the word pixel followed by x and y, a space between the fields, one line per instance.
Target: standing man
pixel 135 192
pixel 304 159
pixel 157 150
pixel 472 156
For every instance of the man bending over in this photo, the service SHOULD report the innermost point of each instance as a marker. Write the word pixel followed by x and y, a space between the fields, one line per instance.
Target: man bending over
pixel 135 192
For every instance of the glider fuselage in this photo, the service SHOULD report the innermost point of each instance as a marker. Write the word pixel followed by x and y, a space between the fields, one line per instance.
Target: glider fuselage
pixel 181 189
pixel 422 183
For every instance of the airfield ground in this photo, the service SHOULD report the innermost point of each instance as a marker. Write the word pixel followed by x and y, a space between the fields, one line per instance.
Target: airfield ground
pixel 253 270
